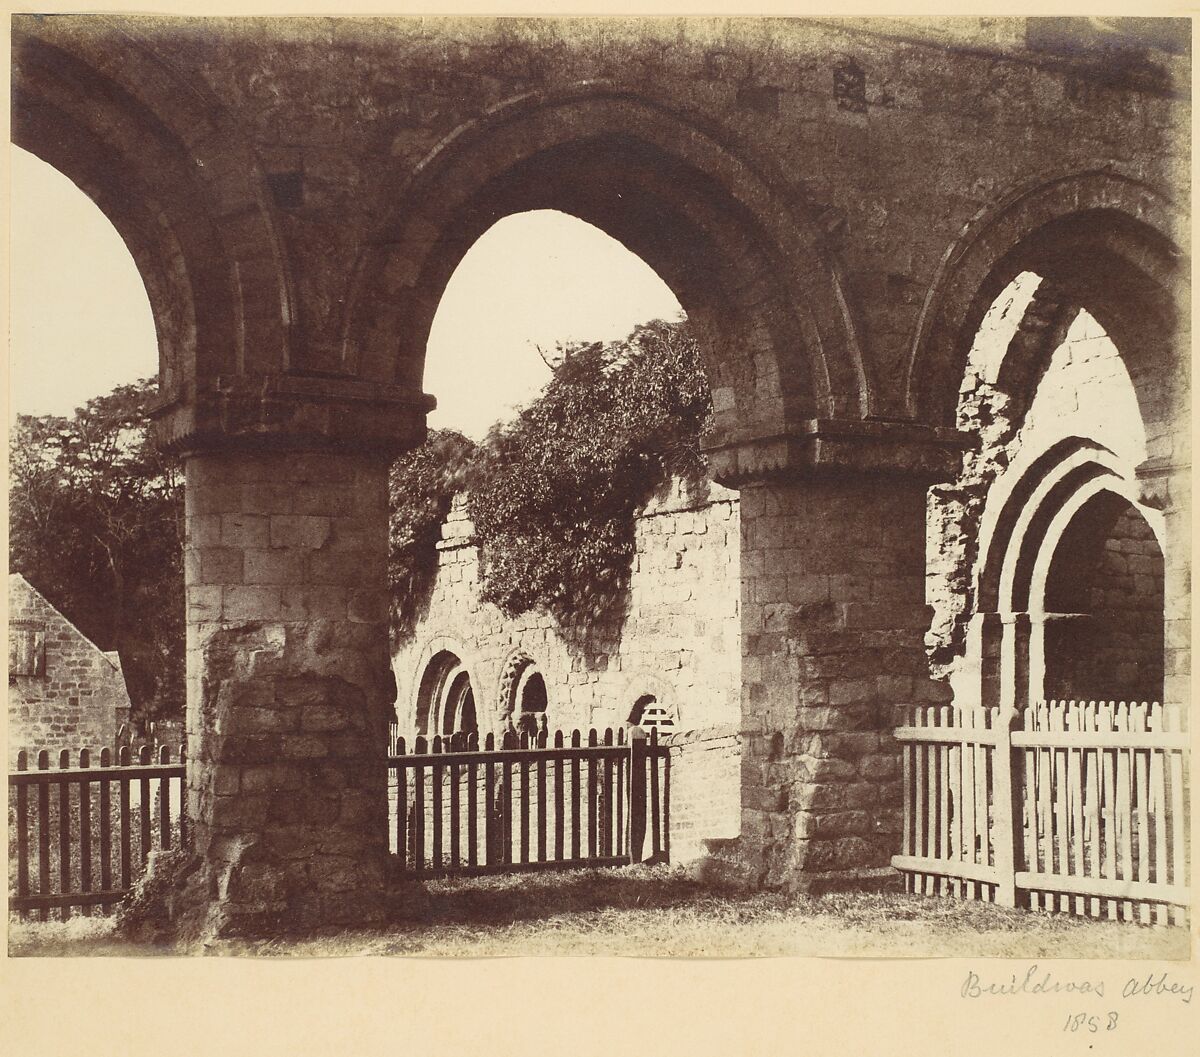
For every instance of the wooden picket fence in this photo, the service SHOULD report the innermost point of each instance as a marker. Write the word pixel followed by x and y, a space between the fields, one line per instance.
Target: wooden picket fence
pixel 1076 806
pixel 529 803
pixel 80 836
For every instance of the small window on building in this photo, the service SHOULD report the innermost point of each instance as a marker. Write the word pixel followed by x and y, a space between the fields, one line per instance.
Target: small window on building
pixel 26 650
pixel 647 712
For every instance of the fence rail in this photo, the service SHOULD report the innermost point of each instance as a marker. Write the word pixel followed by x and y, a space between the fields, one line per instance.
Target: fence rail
pixel 1076 806
pixel 529 803
pixel 80 836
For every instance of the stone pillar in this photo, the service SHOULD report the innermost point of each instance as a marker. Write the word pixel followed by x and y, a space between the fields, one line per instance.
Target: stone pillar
pixel 1168 488
pixel 833 650
pixel 289 685
pixel 288 690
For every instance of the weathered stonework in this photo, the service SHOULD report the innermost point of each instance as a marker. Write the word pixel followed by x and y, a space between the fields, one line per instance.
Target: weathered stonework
pixel 289 688
pixel 678 640
pixel 836 204
pixel 78 699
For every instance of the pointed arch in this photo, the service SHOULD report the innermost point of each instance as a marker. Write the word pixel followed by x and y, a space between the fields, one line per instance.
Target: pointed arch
pixel 1103 241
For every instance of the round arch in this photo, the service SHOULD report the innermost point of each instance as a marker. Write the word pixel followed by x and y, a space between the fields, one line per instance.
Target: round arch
pixel 174 180
pixel 1133 282
pixel 751 271
pixel 445 700
pixel 445 646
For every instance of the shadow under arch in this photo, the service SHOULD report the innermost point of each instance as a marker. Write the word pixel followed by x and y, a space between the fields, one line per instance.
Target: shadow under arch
pixel 752 273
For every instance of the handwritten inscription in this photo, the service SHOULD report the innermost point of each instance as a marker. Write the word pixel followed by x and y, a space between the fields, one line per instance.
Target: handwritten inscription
pixel 1035 981
pixel 1038 981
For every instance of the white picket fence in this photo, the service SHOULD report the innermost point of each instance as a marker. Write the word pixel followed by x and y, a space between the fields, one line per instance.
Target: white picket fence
pixel 1076 806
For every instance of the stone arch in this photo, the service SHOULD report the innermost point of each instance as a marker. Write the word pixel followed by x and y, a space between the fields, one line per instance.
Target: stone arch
pixel 750 269
pixel 445 646
pixel 521 688
pixel 1006 643
pixel 445 699
pixel 167 169
pixel 1099 590
pixel 1103 240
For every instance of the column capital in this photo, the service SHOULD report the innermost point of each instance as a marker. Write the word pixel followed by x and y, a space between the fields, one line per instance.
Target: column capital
pixel 291 412
pixel 841 448
pixel 1160 481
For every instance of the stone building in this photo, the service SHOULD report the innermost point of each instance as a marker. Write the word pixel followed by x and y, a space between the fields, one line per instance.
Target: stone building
pixel 64 692
pixel 837 204
pixel 673 661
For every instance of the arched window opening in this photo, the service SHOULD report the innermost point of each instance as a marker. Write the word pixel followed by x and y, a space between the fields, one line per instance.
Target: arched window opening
pixel 647 712
pixel 530 716
pixel 445 698
pixel 1103 619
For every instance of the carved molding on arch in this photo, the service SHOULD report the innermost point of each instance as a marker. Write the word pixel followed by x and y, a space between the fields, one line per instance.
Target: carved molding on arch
pixel 785 343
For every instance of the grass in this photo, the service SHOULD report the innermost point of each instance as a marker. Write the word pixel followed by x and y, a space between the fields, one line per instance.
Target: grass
pixel 658 912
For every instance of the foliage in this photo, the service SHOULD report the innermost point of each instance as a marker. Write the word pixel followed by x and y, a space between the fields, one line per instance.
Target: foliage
pixel 96 525
pixel 421 486
pixel 554 492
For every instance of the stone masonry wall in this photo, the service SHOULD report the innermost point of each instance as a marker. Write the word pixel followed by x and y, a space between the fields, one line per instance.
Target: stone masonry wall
pixel 1116 650
pixel 80 701
pixel 1084 392
pixel 678 642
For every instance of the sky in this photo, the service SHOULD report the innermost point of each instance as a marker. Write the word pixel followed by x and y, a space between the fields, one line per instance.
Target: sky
pixel 80 319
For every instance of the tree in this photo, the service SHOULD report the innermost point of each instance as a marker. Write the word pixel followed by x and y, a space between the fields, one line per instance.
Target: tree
pixel 554 492
pixel 96 525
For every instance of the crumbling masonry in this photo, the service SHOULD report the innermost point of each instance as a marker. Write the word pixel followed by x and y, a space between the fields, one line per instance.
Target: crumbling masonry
pixel 835 203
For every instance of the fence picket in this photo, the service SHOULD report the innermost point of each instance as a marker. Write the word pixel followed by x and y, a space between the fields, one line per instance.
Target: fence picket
pixel 472 802
pixel 1141 797
pixel 437 777
pixel 1108 777
pixel 23 833
pixel 64 832
pixel 593 797
pixel 105 827
pixel 455 806
pixel 144 820
pixel 908 828
pixel 575 796
pixel 164 802
pixel 525 798
pixel 655 798
pixel 1124 808
pixel 1177 818
pixel 1092 807
pixel 1158 810
pixel 418 809
pixel 559 800
pixel 541 799
pixel 85 830
pixel 44 833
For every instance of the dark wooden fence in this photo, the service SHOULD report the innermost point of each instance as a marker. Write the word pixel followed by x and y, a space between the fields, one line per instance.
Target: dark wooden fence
pixel 80 836
pixel 531 803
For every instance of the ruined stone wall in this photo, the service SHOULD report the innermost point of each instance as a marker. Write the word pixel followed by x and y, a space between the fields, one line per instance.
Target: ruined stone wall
pixel 81 699
pixel 1085 391
pixel 679 640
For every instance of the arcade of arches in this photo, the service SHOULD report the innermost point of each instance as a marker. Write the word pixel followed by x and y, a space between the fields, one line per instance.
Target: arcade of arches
pixel 837 205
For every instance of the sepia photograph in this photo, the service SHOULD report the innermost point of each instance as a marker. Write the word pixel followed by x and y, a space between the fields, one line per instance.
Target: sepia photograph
pixel 657 487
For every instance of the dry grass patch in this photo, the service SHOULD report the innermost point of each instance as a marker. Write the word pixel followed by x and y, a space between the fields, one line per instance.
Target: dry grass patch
pixel 662 912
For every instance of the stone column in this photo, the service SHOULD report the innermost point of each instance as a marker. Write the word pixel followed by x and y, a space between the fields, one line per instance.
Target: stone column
pixel 833 650
pixel 289 683
pixel 1168 488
